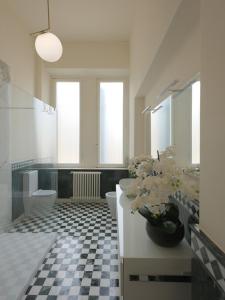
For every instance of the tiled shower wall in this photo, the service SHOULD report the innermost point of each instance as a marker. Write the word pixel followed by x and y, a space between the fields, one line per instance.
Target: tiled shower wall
pixel 108 181
pixel 208 267
pixel 17 194
pixel 208 263
pixel 48 177
pixel 51 177
pixel 32 135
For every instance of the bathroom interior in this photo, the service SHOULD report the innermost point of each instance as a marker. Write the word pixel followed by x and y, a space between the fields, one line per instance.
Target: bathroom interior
pixel 123 79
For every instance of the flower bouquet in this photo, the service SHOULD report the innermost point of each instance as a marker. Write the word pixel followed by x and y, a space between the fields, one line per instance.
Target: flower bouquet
pixel 157 183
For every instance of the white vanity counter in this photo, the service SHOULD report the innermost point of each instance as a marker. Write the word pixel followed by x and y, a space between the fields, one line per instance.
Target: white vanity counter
pixel 145 267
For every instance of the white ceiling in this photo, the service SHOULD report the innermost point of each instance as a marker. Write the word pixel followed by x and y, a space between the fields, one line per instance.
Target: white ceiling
pixel 83 20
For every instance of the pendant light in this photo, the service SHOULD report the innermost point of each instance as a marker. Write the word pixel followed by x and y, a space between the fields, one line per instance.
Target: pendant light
pixel 47 44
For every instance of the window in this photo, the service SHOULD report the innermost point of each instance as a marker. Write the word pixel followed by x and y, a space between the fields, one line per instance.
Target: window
pixel 196 122
pixel 111 123
pixel 161 127
pixel 68 121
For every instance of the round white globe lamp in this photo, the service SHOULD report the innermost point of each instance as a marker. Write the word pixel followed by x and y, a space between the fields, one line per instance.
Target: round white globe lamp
pixel 48 47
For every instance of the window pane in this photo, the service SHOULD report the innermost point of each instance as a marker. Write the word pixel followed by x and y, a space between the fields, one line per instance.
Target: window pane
pixel 196 122
pixel 68 112
pixel 111 122
pixel 161 127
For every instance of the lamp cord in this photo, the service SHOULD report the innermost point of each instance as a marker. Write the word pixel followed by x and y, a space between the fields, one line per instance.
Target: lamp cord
pixel 47 29
pixel 48 14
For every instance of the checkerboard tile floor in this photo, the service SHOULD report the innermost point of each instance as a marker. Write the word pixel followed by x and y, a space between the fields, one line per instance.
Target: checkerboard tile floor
pixel 83 262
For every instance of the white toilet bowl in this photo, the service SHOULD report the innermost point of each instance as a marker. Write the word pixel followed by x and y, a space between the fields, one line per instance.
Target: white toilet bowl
pixel 43 201
pixel 37 202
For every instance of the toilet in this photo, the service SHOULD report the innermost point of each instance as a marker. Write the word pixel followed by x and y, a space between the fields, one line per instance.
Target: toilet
pixel 36 201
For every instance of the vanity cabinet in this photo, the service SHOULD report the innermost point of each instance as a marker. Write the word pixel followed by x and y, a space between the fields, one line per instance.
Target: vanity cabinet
pixel 148 271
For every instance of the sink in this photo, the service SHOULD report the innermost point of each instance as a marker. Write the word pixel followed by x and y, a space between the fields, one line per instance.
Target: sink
pixel 125 182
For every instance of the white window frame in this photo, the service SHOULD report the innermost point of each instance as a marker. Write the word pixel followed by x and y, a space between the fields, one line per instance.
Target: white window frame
pixel 59 79
pixel 125 122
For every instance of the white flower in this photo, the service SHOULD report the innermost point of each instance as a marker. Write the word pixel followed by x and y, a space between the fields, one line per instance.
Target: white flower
pixel 169 152
pixel 167 167
pixel 158 179
pixel 135 162
pixel 144 168
pixel 190 186
pixel 133 188
pixel 147 183
pixel 139 202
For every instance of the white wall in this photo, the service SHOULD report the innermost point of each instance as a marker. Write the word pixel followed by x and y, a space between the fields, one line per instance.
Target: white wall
pixel 139 147
pixel 89 122
pixel 151 22
pixel 5 167
pixel 33 131
pixel 84 59
pixel 212 200
pixel 90 62
pixel 17 49
pixel 178 56
pixel 42 81
pixel 105 55
pixel 159 57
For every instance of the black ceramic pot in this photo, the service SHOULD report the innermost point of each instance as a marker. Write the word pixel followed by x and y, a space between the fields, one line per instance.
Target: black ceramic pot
pixel 164 236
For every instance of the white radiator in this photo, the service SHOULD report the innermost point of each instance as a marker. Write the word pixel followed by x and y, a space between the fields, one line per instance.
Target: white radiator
pixel 86 185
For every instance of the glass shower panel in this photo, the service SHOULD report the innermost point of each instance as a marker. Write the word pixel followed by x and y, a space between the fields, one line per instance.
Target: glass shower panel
pixel 5 167
pixel 33 145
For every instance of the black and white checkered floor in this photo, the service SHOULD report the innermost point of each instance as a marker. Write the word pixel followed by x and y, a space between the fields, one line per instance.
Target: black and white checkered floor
pixel 83 263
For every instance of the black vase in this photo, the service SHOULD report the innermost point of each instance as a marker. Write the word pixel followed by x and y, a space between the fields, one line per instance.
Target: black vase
pixel 163 237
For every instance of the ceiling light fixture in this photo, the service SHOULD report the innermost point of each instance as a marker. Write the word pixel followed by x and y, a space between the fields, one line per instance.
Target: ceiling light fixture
pixel 47 44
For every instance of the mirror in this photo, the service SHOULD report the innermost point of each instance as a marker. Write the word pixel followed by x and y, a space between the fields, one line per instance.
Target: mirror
pixel 161 127
pixel 176 121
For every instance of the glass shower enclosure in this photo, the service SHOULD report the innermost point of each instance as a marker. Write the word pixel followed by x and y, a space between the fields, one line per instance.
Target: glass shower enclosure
pixel 5 166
